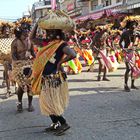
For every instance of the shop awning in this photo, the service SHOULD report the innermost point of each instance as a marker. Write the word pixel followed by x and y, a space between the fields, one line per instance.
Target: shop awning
pixel 108 11
pixel 95 15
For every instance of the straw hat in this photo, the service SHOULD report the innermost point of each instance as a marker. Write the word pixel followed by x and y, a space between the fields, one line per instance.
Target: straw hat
pixel 56 20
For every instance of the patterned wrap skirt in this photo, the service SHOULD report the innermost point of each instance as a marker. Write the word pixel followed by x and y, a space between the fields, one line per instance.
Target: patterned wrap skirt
pixel 104 51
pixel 54 95
pixel 130 56
pixel 21 71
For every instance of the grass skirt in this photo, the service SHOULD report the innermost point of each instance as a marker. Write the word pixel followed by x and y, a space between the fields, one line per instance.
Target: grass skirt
pixel 53 98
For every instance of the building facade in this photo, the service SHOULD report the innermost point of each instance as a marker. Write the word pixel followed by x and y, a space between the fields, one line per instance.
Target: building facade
pixel 84 9
pixel 39 9
pixel 98 8
pixel 133 6
pixel 71 7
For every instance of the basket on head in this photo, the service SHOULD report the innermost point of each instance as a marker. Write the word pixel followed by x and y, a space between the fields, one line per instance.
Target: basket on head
pixel 56 20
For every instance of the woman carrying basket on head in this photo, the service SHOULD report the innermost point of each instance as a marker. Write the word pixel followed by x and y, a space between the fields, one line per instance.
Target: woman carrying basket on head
pixel 49 80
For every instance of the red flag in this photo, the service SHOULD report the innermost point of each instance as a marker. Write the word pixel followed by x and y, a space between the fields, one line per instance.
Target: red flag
pixel 53 4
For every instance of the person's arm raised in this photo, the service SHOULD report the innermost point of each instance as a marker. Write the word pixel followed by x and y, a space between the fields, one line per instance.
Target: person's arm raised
pixel 33 37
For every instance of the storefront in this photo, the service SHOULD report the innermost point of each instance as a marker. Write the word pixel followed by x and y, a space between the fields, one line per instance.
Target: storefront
pixel 135 8
pixel 131 7
pixel 107 11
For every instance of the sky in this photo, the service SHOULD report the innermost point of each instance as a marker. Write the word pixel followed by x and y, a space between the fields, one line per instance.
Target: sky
pixel 13 9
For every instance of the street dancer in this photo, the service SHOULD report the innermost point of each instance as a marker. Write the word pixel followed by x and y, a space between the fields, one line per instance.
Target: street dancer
pixel 22 52
pixel 126 39
pixel 48 77
pixel 100 42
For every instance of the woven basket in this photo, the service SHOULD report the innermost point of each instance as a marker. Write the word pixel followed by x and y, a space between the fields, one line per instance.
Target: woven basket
pixel 57 20
pixel 5 49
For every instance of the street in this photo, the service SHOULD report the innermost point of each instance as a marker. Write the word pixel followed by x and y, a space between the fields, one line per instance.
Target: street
pixel 38 37
pixel 97 111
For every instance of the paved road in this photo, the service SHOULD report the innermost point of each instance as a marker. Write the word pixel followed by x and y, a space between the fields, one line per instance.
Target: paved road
pixel 97 111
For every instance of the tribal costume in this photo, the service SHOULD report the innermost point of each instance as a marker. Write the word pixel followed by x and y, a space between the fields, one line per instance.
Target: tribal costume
pixel 126 41
pixel 50 84
pixel 48 78
pixel 100 41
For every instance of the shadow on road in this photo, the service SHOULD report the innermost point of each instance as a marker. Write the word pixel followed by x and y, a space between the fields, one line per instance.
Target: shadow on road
pixel 121 68
pixel 6 95
pixel 1 78
pixel 81 80
pixel 88 115
pixel 115 75
pixel 2 86
pixel 97 89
